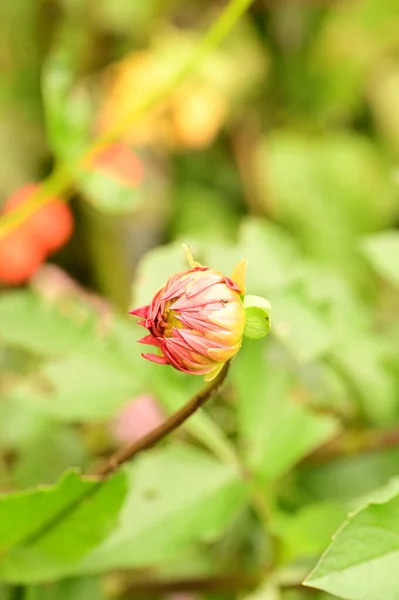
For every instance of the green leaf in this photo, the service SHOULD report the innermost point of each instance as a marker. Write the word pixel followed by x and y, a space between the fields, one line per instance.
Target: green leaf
pixel 36 465
pixel 96 370
pixel 154 269
pixel 78 389
pixel 196 203
pixel 178 496
pixel 84 588
pixel 47 328
pixel 267 591
pixel 307 532
pixel 20 424
pixel 382 250
pixel 257 319
pixel 361 562
pixel 326 186
pixel 299 326
pixel 276 431
pixel 350 477
pixel 363 360
pixel 68 325
pixel 280 263
pixel 29 552
pixel 68 109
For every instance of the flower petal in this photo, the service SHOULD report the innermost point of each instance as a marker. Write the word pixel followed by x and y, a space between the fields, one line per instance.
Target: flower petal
pixel 160 360
pixel 223 354
pixel 140 312
pixel 151 340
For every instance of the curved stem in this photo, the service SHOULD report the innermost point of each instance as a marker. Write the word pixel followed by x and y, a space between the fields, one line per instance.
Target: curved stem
pixel 174 421
pixel 124 455
pixel 354 442
pixel 63 176
pixel 224 582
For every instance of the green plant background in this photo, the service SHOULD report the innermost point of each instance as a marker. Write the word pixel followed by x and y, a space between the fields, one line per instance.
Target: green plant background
pixel 300 450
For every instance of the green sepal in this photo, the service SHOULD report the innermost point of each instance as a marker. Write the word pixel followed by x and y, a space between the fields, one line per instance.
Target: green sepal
pixel 257 317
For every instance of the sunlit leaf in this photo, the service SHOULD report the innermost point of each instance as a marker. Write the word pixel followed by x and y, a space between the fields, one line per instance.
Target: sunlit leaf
pixel 382 250
pixel 84 588
pixel 361 562
pixel 32 550
pixel 177 497
pixel 78 389
pixel 276 429
pixel 308 531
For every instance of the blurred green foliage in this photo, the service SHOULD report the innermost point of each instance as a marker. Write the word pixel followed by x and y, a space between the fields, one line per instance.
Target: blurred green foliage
pixel 282 148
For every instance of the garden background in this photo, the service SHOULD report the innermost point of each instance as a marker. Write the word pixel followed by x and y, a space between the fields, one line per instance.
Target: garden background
pixel 266 130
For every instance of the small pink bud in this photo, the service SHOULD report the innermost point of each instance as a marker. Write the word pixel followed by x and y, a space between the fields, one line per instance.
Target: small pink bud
pixel 196 320
pixel 138 417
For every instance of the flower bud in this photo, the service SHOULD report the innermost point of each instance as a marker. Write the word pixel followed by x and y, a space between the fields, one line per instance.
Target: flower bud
pixel 196 320
pixel 137 418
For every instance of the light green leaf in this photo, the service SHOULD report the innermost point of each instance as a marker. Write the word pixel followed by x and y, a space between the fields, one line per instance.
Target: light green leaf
pixel 78 389
pixel 68 326
pixel 84 588
pixel 192 220
pixel 361 562
pixel 274 260
pixel 363 360
pixel 31 553
pixel 154 269
pixel 276 430
pixel 382 250
pixel 326 185
pixel 299 326
pixel 68 109
pixel 307 532
pixel 29 321
pixel 267 591
pixel 349 478
pixel 96 369
pixel 178 496
pixel 34 463
pixel 20 424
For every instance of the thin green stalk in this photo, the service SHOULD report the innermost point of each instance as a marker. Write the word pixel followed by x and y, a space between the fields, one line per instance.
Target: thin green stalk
pixel 62 178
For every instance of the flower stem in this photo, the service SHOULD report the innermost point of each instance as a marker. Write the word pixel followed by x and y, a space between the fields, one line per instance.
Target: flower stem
pixel 174 421
pixel 117 460
pixel 63 176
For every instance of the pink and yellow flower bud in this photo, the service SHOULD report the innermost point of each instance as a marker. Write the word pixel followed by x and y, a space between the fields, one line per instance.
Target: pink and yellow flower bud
pixel 196 320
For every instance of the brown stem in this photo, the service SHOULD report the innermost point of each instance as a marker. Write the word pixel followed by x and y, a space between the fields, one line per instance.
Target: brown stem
pixel 125 454
pixel 355 442
pixel 228 582
pixel 222 583
pixel 174 421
